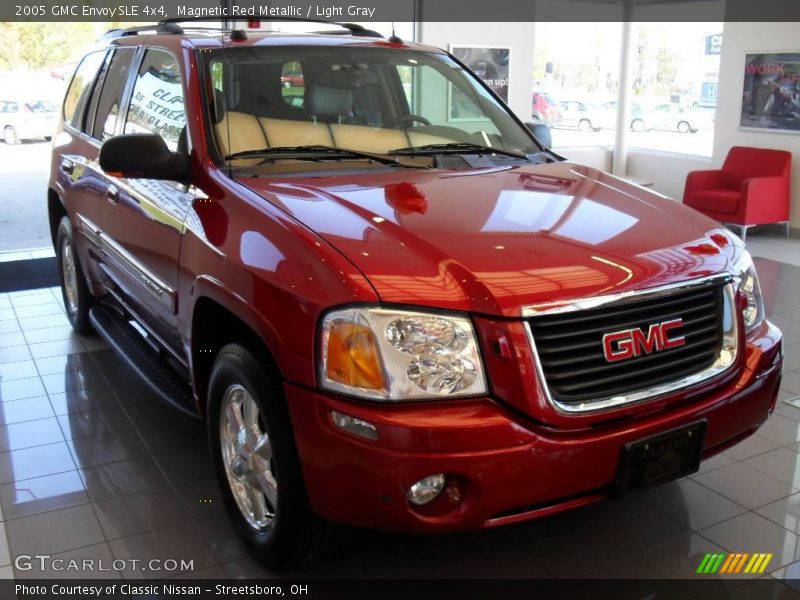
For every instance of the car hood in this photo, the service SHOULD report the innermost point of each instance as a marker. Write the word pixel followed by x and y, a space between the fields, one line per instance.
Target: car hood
pixel 495 240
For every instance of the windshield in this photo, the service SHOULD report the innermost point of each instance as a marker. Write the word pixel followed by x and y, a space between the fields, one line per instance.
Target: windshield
pixel 374 100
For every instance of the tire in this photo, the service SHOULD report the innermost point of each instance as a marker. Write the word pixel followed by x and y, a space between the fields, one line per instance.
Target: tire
pixel 74 290
pixel 585 125
pixel 637 125
pixel 47 138
pixel 684 127
pixel 10 136
pixel 292 535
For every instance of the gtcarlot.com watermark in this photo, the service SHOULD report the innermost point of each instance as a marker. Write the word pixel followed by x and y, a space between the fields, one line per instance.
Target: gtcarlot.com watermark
pixel 45 562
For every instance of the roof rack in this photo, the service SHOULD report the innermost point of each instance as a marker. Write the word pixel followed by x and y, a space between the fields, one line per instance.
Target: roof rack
pixel 172 26
pixel 353 28
pixel 155 28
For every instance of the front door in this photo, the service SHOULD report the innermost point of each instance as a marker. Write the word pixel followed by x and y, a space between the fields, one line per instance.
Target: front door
pixel 144 217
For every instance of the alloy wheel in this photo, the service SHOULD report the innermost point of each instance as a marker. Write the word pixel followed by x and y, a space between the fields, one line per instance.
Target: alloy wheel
pixel 247 457
pixel 70 275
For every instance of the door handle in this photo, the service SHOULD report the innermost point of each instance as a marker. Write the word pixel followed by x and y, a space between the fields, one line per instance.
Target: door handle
pixel 112 193
pixel 67 166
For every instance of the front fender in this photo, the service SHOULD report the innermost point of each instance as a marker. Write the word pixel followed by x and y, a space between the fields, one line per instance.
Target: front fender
pixel 271 272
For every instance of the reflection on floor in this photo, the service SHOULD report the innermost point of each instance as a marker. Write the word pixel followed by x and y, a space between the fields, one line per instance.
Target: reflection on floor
pixel 92 466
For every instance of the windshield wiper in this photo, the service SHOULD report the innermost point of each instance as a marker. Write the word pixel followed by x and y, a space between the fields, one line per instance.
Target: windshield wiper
pixel 314 152
pixel 456 148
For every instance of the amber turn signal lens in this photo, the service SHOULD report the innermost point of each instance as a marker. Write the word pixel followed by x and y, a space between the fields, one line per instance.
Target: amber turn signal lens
pixel 353 357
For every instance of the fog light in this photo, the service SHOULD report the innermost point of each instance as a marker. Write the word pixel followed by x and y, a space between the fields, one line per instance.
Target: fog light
pixel 354 425
pixel 426 490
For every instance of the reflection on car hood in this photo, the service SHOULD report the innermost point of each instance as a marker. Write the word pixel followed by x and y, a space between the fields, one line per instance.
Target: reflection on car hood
pixel 495 240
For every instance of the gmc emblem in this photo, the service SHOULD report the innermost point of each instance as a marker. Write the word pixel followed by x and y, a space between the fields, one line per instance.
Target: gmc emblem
pixel 628 343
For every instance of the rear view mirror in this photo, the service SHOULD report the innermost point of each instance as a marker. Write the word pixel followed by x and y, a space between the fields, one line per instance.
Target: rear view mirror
pixel 145 156
pixel 542 133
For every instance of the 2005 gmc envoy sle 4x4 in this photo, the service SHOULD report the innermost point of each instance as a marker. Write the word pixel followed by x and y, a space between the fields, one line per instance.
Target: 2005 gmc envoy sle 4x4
pixel 394 306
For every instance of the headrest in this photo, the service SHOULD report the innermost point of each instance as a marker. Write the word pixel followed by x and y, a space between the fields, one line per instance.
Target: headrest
pixel 346 77
pixel 323 100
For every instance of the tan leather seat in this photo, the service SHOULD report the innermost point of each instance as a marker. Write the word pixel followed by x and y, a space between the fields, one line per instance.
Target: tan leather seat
pixel 421 139
pixel 238 132
pixel 281 132
pixel 368 139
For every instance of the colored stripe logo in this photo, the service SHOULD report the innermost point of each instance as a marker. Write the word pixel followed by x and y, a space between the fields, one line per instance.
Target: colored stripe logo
pixel 737 562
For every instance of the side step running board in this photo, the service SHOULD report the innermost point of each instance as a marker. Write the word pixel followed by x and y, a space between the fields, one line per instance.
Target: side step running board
pixel 137 352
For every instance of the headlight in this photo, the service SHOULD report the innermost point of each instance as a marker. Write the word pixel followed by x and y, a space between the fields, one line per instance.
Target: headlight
pixel 747 283
pixel 394 355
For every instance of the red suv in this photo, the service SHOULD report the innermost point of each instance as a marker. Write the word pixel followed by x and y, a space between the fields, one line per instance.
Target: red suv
pixel 390 317
pixel 546 110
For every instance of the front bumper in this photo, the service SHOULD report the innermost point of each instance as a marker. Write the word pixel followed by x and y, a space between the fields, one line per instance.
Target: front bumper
pixel 508 467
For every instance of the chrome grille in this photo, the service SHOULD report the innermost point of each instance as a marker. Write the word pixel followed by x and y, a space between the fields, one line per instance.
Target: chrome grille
pixel 569 344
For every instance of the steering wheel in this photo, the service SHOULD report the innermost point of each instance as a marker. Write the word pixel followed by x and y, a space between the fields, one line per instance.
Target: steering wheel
pixel 407 119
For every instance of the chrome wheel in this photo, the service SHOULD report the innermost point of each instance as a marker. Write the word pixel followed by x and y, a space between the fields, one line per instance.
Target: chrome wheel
pixel 247 457
pixel 70 275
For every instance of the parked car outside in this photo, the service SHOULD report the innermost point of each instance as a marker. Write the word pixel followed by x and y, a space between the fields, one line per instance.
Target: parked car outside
pixel 666 116
pixel 388 318
pixel 586 116
pixel 546 109
pixel 292 79
pixel 639 115
pixel 22 119
pixel 674 117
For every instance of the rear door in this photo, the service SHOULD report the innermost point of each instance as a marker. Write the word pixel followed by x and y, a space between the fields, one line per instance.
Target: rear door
pixel 74 170
pixel 143 218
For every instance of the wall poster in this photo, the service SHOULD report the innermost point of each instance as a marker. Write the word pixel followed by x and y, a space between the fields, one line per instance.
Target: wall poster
pixel 488 63
pixel 771 95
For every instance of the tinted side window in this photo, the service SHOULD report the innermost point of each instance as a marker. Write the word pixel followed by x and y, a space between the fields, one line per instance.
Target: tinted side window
pixel 81 88
pixel 157 103
pixel 105 120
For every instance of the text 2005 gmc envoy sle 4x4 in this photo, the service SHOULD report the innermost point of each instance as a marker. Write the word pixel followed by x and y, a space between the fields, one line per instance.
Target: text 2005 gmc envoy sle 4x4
pixel 393 306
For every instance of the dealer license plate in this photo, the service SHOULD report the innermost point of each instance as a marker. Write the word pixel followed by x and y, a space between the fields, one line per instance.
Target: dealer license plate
pixel 657 460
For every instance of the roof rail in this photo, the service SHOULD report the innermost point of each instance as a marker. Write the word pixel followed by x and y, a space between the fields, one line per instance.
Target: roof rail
pixel 353 28
pixel 172 26
pixel 363 33
pixel 155 28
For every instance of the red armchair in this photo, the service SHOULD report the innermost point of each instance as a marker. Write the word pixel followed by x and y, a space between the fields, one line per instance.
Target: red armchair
pixel 752 188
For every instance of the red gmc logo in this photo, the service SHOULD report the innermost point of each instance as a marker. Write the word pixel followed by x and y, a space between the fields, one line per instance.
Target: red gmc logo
pixel 622 345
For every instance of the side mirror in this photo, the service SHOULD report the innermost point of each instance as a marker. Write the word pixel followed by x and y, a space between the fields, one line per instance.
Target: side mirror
pixel 145 156
pixel 542 133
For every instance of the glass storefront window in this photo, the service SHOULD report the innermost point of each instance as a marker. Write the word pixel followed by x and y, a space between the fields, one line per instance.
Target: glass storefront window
pixel 675 80
pixel 576 75
pixel 674 84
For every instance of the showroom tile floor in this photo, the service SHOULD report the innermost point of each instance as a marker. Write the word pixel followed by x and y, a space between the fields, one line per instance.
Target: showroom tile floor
pixel 92 466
